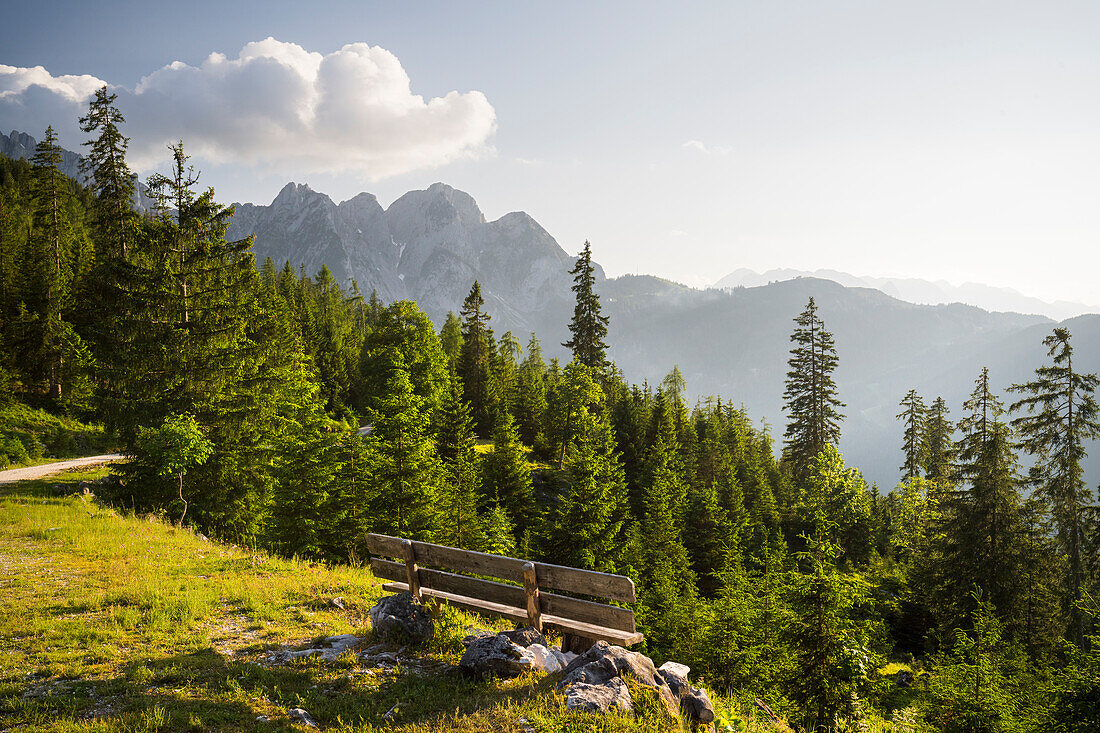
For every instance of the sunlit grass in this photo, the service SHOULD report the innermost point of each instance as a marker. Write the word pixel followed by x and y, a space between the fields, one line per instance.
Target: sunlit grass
pixel 114 622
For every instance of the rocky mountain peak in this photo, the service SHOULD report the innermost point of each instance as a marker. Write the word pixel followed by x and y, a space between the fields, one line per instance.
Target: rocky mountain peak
pixel 294 195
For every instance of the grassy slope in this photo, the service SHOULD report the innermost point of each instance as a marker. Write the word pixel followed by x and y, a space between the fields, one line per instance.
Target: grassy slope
pixel 29 436
pixel 112 622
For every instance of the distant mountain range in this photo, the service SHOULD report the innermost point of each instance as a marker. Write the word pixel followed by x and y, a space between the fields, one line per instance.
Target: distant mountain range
pixel 925 292
pixel 20 145
pixel 430 246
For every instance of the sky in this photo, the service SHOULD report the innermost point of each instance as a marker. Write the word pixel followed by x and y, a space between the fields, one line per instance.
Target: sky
pixel 942 140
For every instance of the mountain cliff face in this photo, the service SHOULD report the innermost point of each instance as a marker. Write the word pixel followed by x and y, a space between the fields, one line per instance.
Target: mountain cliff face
pixel 428 246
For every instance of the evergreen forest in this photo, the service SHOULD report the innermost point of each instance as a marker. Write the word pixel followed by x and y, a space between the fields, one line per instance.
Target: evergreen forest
pixel 284 410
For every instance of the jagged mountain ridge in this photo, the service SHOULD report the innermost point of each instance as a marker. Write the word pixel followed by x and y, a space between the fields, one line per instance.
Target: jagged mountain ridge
pixel 428 246
pixel 922 292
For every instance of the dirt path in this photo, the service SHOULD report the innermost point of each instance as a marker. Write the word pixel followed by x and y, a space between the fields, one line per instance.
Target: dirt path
pixel 30 472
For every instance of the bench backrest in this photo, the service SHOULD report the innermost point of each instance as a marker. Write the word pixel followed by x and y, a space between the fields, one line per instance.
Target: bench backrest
pixel 527 601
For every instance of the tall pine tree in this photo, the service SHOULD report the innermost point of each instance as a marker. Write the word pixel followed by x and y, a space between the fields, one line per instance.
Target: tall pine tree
pixel 589 325
pixel 1061 415
pixel 810 396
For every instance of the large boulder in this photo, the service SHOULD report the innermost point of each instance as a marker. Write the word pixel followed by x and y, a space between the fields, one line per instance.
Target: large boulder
pixel 694 703
pixel 400 616
pixel 599 698
pixel 604 662
pixel 495 656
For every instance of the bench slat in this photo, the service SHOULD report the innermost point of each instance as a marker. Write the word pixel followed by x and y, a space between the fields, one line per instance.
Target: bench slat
pixel 591 631
pixel 586 582
pixel 470 604
pixel 575 580
pixel 450 583
pixel 599 614
pixel 549 603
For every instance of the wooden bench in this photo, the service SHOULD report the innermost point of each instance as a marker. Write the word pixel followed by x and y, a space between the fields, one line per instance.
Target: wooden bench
pixel 527 602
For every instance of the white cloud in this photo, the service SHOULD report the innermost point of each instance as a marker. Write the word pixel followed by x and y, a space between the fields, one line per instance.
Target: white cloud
pixel 276 105
pixel 702 147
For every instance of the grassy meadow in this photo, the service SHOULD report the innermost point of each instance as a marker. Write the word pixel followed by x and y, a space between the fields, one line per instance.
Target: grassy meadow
pixel 116 622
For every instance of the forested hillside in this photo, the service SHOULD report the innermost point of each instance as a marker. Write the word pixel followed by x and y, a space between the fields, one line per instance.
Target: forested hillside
pixel 762 557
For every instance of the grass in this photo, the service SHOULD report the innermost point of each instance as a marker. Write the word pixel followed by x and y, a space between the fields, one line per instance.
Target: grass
pixel 114 622
pixel 30 436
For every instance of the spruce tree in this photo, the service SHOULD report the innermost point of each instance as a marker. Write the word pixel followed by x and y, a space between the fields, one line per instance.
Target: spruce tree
pixel 829 647
pixel 587 527
pixel 507 477
pixel 810 396
pixel 939 445
pixel 914 417
pixel 1061 415
pixel 49 273
pixel 460 494
pixel 530 407
pixel 451 338
pixel 108 174
pixel 589 326
pixel 409 471
pixel 982 515
pixel 475 360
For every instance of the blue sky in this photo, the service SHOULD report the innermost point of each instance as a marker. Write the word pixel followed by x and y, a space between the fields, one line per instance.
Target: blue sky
pixel 941 140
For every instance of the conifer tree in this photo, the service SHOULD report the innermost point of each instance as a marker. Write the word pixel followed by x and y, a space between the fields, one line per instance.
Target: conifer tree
pixel 109 176
pixel 810 394
pixel 475 360
pixel 587 527
pixel 302 517
pixel 982 515
pixel 460 493
pixel 49 274
pixel 409 471
pixel 506 370
pixel 825 640
pixel 914 417
pixel 530 405
pixel 507 477
pixel 1061 415
pixel 589 326
pixel 939 445
pixel 450 336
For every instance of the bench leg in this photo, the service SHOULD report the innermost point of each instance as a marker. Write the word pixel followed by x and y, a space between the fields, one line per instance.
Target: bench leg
pixel 576 644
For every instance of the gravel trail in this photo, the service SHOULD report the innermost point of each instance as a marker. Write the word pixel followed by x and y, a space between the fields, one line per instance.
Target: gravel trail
pixel 30 472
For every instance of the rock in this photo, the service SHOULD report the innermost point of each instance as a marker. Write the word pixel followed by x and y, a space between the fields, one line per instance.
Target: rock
pixel 524 637
pixel 676 677
pixel 604 662
pixel 697 706
pixel 564 658
pixel 543 659
pixel 599 698
pixel 496 656
pixel 525 725
pixel 301 716
pixel 397 615
pixel 339 603
pixel 336 646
